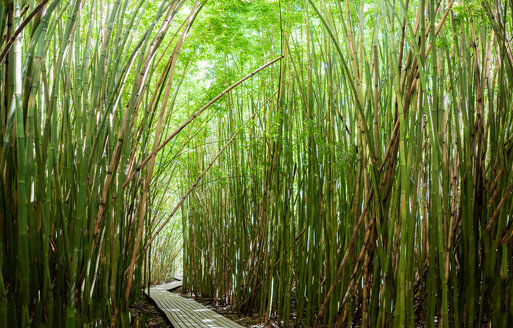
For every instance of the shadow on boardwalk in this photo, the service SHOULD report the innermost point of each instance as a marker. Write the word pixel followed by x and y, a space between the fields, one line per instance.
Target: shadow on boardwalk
pixel 185 312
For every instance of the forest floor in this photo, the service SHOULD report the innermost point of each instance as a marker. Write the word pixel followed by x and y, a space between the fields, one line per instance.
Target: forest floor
pixel 252 321
pixel 146 314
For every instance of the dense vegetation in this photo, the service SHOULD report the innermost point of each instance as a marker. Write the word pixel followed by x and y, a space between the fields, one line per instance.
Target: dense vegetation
pixel 86 89
pixel 374 187
pixel 360 172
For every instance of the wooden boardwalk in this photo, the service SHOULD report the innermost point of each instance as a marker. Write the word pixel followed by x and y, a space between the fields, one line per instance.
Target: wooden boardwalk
pixel 184 312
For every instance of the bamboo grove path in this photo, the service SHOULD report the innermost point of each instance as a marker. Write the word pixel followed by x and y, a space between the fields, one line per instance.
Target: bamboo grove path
pixel 184 312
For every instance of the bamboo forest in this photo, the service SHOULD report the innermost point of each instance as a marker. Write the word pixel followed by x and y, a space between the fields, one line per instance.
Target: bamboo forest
pixel 293 163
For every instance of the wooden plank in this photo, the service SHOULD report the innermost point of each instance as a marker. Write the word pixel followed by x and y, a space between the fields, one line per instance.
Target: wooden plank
pixel 185 312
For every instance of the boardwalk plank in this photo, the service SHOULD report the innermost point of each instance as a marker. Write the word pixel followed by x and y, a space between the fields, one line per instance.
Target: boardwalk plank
pixel 183 312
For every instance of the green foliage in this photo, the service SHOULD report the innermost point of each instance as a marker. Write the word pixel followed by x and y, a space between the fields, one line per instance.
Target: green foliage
pixel 75 120
pixel 368 184
pixel 470 10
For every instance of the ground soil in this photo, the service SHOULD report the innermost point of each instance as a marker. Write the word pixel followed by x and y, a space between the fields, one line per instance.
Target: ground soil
pixel 250 321
pixel 146 314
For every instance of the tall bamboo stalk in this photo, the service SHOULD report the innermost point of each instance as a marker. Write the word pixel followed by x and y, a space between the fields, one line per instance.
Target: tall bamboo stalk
pixel 377 189
pixel 76 84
